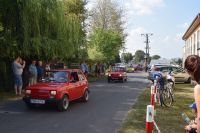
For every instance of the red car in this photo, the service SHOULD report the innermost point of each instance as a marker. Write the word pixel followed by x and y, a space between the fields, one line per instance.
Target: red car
pixel 138 68
pixel 117 73
pixel 58 88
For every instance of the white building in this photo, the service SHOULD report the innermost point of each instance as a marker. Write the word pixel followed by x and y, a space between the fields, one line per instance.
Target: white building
pixel 192 39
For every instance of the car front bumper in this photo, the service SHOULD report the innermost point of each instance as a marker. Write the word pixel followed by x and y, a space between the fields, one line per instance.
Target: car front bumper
pixel 38 101
pixel 115 78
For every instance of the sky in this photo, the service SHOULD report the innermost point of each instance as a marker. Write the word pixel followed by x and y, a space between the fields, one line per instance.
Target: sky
pixel 168 20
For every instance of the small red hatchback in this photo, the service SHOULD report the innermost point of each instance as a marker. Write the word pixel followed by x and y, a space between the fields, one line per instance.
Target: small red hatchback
pixel 59 87
pixel 117 73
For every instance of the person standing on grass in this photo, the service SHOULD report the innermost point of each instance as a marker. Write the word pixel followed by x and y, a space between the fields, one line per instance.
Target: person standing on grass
pixel 40 71
pixel 192 65
pixel 18 66
pixel 32 73
pixel 85 69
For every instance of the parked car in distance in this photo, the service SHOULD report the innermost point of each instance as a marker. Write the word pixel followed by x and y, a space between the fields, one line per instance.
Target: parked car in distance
pixel 179 73
pixel 58 88
pixel 138 67
pixel 117 74
pixel 130 69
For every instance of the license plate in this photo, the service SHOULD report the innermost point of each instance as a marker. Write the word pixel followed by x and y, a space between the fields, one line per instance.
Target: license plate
pixel 37 101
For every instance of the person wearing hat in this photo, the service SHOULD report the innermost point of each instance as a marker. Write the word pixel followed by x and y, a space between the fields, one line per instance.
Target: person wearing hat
pixel 192 127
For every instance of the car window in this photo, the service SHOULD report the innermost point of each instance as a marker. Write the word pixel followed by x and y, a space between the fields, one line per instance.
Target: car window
pixel 74 77
pixel 164 69
pixel 81 76
pixel 56 76
pixel 118 69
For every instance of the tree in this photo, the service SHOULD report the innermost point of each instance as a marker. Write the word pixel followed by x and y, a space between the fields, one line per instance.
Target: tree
pixel 107 32
pixel 106 42
pixel 139 55
pixel 43 29
pixel 155 57
pixel 177 61
pixel 47 29
pixel 127 57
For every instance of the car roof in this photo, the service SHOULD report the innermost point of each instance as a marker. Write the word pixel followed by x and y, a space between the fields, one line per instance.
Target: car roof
pixel 66 70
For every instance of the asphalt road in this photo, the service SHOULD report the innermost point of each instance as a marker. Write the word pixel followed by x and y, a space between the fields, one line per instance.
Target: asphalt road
pixel 105 111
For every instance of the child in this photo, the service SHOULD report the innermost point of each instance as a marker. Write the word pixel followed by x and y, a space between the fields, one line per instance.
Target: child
pixel 192 127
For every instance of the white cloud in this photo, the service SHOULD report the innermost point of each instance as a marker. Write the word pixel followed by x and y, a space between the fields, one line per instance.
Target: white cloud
pixel 178 37
pixel 184 25
pixel 134 40
pixel 167 38
pixel 143 7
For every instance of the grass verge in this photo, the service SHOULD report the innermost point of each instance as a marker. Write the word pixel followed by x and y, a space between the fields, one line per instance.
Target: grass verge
pixel 168 119
pixel 8 96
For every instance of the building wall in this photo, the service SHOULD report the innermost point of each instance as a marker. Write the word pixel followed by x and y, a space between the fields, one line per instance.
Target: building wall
pixel 192 44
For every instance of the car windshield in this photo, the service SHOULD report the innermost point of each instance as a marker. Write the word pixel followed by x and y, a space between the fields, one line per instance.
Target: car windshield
pixel 59 76
pixel 118 69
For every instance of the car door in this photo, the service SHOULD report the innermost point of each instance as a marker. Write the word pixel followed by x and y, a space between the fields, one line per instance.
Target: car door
pixel 178 74
pixel 82 83
pixel 74 86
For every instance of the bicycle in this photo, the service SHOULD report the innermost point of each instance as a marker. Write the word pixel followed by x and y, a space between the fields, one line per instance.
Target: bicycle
pixel 164 94
pixel 167 95
pixel 170 86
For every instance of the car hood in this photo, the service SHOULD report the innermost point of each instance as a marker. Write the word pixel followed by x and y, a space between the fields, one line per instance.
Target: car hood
pixel 47 86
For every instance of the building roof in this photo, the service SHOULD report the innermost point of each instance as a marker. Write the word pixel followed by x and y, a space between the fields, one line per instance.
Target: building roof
pixel 195 23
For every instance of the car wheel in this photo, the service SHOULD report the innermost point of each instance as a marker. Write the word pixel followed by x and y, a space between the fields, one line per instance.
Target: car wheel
pixel 63 103
pixel 126 79
pixel 122 80
pixel 85 97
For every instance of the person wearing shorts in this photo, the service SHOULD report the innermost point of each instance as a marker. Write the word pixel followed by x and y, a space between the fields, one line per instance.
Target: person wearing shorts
pixel 18 66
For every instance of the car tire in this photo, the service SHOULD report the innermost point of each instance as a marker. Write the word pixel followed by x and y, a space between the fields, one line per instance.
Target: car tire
pixel 63 103
pixel 122 80
pixel 85 97
pixel 126 79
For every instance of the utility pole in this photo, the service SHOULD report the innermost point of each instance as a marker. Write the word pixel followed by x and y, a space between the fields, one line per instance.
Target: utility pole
pixel 147 35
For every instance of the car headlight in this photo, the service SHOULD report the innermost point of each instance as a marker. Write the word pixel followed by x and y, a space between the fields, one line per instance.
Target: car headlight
pixel 53 93
pixel 28 91
pixel 120 75
pixel 109 75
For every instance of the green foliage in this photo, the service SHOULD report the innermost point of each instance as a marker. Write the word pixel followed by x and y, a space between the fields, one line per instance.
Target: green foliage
pixel 155 57
pixel 106 42
pixel 47 29
pixel 177 61
pixel 107 32
pixel 127 57
pixel 43 29
pixel 139 55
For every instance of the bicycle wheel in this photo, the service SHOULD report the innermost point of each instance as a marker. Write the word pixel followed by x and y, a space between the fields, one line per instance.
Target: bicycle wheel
pixel 167 98
pixel 171 89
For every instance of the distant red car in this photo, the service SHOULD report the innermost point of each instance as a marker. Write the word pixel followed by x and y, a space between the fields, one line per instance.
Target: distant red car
pixel 58 88
pixel 117 73
pixel 138 68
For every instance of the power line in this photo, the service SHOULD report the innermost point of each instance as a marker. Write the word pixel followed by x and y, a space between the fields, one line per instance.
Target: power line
pixel 147 35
